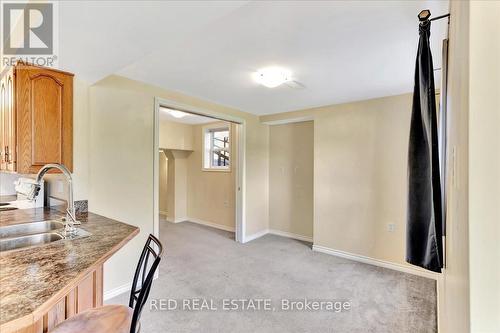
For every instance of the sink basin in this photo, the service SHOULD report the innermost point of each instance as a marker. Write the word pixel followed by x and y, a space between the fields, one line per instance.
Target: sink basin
pixel 29 228
pixel 17 236
pixel 7 244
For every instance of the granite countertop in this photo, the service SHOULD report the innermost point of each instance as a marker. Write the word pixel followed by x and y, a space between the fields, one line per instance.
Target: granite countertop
pixel 32 277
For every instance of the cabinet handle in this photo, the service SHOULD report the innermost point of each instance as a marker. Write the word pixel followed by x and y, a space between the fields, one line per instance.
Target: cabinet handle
pixel 7 154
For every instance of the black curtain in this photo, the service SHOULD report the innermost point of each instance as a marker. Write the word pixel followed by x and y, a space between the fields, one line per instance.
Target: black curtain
pixel 424 219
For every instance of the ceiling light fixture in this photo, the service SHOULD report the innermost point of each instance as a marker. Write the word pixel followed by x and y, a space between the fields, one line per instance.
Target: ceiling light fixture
pixel 175 113
pixel 272 77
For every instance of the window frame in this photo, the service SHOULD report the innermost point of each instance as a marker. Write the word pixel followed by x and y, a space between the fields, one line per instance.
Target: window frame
pixel 208 149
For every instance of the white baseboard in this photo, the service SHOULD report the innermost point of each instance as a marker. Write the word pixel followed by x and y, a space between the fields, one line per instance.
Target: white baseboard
pixel 290 235
pixel 202 222
pixel 210 224
pixel 376 262
pixel 117 291
pixel 277 233
pixel 255 236
pixel 176 220
pixel 122 289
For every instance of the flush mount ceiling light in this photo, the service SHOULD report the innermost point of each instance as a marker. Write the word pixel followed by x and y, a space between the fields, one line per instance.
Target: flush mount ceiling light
pixel 272 77
pixel 175 113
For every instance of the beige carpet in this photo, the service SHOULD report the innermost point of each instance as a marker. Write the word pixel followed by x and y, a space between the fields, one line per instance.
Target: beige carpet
pixel 205 263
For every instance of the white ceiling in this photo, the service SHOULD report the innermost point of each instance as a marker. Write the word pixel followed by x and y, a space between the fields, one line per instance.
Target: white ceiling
pixel 340 50
pixel 190 119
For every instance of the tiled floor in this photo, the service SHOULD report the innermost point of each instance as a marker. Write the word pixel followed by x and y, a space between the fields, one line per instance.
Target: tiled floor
pixel 205 263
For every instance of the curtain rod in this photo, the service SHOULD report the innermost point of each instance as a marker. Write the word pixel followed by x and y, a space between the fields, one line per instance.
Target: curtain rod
pixel 439 17
pixel 425 14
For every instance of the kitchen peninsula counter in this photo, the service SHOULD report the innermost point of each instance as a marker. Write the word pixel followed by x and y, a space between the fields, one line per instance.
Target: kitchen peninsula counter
pixel 42 285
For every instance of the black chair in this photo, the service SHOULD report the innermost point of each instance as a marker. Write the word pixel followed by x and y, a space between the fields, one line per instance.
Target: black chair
pixel 120 318
pixel 139 293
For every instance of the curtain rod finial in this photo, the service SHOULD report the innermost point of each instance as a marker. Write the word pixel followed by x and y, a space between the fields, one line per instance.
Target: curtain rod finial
pixel 424 15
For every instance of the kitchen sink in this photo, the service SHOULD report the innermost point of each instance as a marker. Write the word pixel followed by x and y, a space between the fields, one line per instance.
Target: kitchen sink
pixel 7 244
pixel 22 235
pixel 29 228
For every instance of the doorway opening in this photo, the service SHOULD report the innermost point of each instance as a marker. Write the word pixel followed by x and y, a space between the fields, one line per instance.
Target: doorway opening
pixel 198 167
pixel 291 179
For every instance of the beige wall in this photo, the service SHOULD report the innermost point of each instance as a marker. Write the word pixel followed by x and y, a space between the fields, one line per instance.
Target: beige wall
pixel 469 291
pixel 175 135
pixel 121 167
pixel 163 177
pixel 360 163
pixel 484 166
pixel 180 193
pixel 453 288
pixel 170 195
pixel 81 151
pixel 177 141
pixel 291 154
pixel 81 121
pixel 197 194
pixel 121 163
pixel 211 194
pixel 360 177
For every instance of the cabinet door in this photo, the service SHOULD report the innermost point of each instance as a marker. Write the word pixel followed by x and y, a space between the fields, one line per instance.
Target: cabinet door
pixel 44 101
pixel 3 133
pixel 10 121
pixel 7 123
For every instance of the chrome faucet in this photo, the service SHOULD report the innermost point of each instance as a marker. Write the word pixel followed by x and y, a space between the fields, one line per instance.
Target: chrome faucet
pixel 70 211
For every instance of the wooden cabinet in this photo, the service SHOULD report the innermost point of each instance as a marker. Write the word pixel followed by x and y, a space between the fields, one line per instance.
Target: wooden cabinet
pixel 7 123
pixel 37 118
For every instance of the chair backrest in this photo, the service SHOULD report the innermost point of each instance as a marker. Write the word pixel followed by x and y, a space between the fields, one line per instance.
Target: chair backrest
pixel 143 278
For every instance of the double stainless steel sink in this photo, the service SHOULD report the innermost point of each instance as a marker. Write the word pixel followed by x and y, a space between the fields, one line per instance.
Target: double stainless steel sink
pixel 23 235
pixel 30 240
pixel 29 228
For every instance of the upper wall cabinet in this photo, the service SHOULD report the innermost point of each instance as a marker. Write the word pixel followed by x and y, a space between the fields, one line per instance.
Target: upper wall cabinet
pixel 37 118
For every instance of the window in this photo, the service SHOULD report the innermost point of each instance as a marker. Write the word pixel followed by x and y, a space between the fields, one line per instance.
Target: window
pixel 217 148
